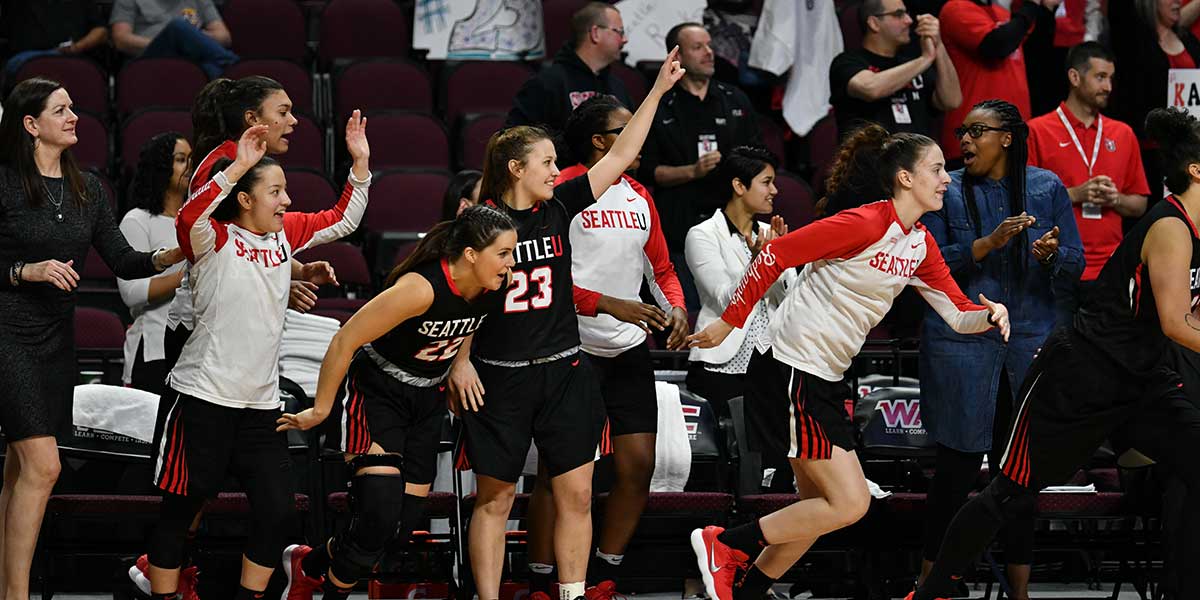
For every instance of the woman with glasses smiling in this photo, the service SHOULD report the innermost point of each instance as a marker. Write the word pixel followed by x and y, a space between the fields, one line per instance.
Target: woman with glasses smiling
pixel 1007 231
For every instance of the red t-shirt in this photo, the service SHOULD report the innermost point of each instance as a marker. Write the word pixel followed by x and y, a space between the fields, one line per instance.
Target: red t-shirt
pixel 1183 60
pixel 1051 148
pixel 964 25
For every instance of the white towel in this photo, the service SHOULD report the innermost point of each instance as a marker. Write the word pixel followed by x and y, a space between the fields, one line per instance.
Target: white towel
pixel 305 340
pixel 119 410
pixel 672 451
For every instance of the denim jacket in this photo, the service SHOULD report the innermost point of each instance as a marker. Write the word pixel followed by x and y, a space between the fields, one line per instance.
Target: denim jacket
pixel 960 374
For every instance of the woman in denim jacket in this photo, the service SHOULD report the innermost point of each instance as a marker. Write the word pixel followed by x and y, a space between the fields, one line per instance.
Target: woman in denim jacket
pixel 1006 231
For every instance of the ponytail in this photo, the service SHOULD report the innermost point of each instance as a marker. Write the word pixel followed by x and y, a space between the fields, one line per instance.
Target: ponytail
pixel 477 227
pixel 219 112
pixel 514 143
pixel 865 167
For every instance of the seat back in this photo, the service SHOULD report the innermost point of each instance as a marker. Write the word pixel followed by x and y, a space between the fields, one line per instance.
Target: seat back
pixel 248 20
pixel 406 139
pixel 481 86
pixel 84 79
pixel 381 84
pixel 362 29
pixel 309 190
pixel 294 79
pixel 158 83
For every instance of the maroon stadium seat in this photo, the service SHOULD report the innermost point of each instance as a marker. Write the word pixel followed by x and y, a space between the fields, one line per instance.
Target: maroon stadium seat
pixel 139 127
pixel 92 149
pixel 341 315
pixel 473 138
pixel 772 137
pixel 852 32
pixel 83 79
pixel 794 202
pixel 290 75
pixel 481 86
pixel 158 83
pixel 96 272
pixel 309 190
pixel 347 260
pixel 306 146
pixel 401 139
pixel 382 84
pixel 822 144
pixel 635 83
pixel 362 29
pixel 97 329
pixel 405 200
pixel 248 19
pixel 557 17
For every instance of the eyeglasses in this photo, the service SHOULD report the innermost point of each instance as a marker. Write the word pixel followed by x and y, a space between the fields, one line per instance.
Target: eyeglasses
pixel 899 13
pixel 617 30
pixel 614 131
pixel 976 130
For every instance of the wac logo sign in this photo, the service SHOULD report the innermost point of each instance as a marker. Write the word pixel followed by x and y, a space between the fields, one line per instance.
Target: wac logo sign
pixel 900 414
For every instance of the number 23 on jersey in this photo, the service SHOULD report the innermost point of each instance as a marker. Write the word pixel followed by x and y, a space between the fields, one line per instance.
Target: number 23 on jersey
pixel 521 299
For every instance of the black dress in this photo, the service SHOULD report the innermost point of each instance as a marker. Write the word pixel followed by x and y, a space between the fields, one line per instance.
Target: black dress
pixel 37 351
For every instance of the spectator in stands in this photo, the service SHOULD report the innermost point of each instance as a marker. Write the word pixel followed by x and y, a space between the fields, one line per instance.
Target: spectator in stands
pixel 1072 24
pixel 580 70
pixel 158 190
pixel 461 194
pixel 1147 41
pixel 50 28
pixel 698 119
pixel 889 80
pixel 190 29
pixel 1097 158
pixel 718 252
pixel 51 214
pixel 984 41
pixel 968 383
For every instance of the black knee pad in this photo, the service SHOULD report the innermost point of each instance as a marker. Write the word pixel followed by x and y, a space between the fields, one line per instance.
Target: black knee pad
pixel 1008 500
pixel 411 515
pixel 377 504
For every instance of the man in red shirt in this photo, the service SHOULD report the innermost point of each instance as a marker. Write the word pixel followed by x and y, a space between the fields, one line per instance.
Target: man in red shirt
pixel 1097 157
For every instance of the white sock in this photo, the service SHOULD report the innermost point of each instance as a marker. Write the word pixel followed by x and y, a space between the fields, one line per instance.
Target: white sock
pixel 571 591
pixel 612 559
pixel 541 568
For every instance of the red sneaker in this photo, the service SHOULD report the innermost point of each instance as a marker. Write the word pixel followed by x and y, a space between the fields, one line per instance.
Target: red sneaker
pixel 300 586
pixel 718 563
pixel 189 579
pixel 138 574
pixel 913 594
pixel 605 590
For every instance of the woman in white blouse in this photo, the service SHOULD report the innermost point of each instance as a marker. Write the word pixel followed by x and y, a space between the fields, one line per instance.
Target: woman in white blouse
pixel 158 190
pixel 718 252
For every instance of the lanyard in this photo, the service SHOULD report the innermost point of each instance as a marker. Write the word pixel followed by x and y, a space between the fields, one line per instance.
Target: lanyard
pixel 1078 146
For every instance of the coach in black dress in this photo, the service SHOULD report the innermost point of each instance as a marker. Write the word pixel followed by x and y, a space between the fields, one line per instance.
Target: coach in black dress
pixel 50 214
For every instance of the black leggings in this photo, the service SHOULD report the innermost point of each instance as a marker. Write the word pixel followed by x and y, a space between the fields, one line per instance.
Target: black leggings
pixel 955 476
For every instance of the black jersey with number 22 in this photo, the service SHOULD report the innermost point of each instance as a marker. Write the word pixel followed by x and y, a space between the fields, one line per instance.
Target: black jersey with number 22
pixel 1121 317
pixel 425 344
pixel 538 318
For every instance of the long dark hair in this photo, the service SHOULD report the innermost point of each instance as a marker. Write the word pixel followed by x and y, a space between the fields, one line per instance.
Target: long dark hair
pixel 219 112
pixel 29 98
pixel 1014 175
pixel 864 169
pixel 156 164
pixel 460 187
pixel 513 143
pixel 477 227
pixel 229 208
pixel 1178 137
pixel 588 119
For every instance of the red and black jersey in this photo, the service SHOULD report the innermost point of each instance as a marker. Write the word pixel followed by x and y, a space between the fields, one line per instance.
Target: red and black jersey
pixel 538 317
pixel 1121 317
pixel 426 344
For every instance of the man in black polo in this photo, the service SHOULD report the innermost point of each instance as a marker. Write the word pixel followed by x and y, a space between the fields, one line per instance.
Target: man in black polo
pixel 891 81
pixel 696 121
pixel 580 70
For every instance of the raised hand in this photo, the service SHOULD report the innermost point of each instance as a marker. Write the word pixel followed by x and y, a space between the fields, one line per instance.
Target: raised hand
pixel 252 146
pixel 669 73
pixel 356 137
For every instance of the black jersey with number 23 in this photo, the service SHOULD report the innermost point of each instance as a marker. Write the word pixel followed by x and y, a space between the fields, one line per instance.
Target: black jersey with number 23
pixel 425 345
pixel 1120 317
pixel 538 318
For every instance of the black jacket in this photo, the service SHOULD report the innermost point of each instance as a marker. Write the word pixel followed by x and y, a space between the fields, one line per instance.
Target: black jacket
pixel 549 97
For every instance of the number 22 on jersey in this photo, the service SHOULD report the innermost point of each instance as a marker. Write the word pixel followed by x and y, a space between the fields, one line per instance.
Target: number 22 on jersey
pixel 518 299
pixel 441 350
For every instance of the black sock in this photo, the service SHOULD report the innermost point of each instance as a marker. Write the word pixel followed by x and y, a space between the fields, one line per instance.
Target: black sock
pixel 967 537
pixel 601 569
pixel 753 586
pixel 316 562
pixel 333 592
pixel 412 515
pixel 542 582
pixel 748 538
pixel 245 593
pixel 167 596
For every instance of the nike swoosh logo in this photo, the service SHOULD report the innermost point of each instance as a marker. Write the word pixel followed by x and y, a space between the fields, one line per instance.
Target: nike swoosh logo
pixel 1064 144
pixel 712 565
pixel 668 121
pixel 915 246
pixel 631 199
pixel 575 363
